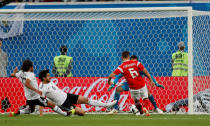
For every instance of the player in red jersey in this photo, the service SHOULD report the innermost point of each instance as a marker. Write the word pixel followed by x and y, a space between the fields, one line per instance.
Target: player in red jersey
pixel 138 89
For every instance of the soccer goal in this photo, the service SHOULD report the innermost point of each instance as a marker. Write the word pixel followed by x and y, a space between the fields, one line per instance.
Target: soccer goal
pixel 95 39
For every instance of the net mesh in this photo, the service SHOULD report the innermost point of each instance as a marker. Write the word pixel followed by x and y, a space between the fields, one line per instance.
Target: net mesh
pixel 96 40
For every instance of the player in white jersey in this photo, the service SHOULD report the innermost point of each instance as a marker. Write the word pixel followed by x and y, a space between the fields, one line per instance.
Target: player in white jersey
pixel 32 93
pixel 66 100
pixel 201 103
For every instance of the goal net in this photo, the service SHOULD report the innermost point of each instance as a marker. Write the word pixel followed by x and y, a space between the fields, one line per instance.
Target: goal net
pixel 95 39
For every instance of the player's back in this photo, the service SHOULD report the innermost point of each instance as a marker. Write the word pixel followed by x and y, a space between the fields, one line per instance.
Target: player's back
pixel 130 70
pixel 52 92
pixel 22 76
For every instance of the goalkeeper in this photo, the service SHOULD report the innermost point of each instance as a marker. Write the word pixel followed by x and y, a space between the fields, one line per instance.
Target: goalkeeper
pixel 124 87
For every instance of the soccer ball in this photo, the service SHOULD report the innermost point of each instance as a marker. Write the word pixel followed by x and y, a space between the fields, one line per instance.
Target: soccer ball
pixel 133 109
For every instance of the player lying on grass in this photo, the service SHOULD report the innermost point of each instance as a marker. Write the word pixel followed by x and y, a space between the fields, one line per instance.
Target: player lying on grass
pixel 123 86
pixel 32 93
pixel 64 100
pixel 138 89
pixel 201 103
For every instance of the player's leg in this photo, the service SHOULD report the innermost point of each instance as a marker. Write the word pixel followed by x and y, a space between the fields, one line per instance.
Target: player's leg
pixel 144 95
pixel 136 96
pixel 42 102
pixel 122 87
pixel 26 109
pixel 54 107
pixel 138 106
pixel 118 90
pixel 79 111
pixel 152 100
pixel 84 100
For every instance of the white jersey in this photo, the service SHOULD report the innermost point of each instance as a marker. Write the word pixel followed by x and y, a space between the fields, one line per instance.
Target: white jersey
pixel 53 93
pixel 202 101
pixel 22 76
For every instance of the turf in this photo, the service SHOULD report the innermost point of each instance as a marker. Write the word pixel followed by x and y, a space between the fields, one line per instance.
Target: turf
pixel 106 120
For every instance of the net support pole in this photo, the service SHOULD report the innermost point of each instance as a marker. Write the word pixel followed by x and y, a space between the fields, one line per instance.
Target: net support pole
pixel 190 62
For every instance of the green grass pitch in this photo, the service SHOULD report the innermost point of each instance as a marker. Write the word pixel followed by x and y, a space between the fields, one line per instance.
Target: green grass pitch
pixel 106 120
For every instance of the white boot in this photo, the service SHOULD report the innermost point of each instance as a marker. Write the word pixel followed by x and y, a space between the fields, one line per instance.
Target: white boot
pixel 114 111
pixel 159 111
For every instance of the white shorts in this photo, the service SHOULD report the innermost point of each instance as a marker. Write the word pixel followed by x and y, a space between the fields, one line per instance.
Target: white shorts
pixel 140 93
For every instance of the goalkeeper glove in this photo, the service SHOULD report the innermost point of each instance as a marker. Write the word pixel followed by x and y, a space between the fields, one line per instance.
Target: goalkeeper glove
pixel 111 86
pixel 159 85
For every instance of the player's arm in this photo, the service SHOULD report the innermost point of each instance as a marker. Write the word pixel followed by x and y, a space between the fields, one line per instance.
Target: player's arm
pixel 156 83
pixel 28 85
pixel 116 72
pixel 141 68
pixel 14 72
pixel 110 77
pixel 148 76
pixel 117 78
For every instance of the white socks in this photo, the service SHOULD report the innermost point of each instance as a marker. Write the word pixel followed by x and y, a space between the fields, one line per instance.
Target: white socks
pixel 97 103
pixel 59 111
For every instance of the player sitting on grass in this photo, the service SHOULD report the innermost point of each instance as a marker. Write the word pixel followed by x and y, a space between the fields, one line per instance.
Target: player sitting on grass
pixel 138 89
pixel 123 86
pixel 32 94
pixel 66 100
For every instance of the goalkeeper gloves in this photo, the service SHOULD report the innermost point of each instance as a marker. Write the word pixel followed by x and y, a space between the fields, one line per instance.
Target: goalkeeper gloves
pixel 158 85
pixel 111 86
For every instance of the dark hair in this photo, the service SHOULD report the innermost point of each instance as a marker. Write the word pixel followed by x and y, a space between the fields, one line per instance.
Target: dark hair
pixel 27 64
pixel 125 54
pixel 43 74
pixel 134 57
pixel 63 49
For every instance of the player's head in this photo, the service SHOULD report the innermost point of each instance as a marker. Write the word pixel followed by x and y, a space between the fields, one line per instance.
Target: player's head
pixel 63 49
pixel 44 76
pixel 27 66
pixel 134 58
pixel 125 55
pixel 181 46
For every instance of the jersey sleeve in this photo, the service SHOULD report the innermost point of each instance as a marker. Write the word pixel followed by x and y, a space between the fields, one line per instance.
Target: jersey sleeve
pixel 117 78
pixel 142 73
pixel 29 76
pixel 118 71
pixel 42 89
pixel 140 66
pixel 18 74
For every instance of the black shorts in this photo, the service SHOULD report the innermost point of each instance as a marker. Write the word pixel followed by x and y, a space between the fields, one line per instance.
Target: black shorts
pixel 40 101
pixel 69 102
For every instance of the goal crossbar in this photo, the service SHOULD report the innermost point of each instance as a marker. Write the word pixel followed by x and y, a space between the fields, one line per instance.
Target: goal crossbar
pixel 10 11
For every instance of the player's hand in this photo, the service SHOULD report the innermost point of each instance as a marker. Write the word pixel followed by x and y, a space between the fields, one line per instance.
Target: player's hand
pixel 111 86
pixel 15 70
pixel 39 92
pixel 152 83
pixel 160 86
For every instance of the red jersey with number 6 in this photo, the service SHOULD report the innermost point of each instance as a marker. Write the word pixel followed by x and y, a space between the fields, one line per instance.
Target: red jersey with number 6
pixel 130 70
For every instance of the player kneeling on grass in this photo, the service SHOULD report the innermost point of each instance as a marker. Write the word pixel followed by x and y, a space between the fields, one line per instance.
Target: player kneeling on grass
pixel 32 93
pixel 66 100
